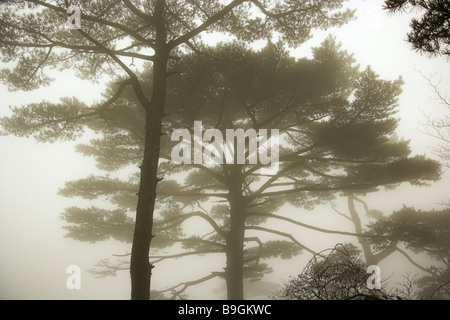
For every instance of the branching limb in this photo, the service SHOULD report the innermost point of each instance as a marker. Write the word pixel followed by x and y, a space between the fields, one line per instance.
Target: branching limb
pixel 45 114
pixel 406 255
pixel 118 26
pixel 199 240
pixel 134 79
pixel 179 219
pixel 345 233
pixel 340 213
pixel 315 188
pixel 205 25
pixel 160 258
pixel 270 181
pixel 139 13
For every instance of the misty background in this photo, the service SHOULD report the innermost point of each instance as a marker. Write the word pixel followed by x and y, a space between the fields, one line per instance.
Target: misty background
pixel 34 253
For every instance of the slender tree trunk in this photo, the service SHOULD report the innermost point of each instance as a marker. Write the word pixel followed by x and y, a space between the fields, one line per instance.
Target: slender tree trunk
pixel 140 268
pixel 235 240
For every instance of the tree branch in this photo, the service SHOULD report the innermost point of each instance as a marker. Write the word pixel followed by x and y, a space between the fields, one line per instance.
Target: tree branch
pixel 268 183
pixel 345 233
pixel 186 285
pixel 211 172
pixel 138 12
pixel 134 80
pixel 261 7
pixel 318 188
pixel 196 239
pixel 183 254
pixel 412 261
pixel 79 48
pixel 195 214
pixel 93 111
pixel 98 20
pixel 340 213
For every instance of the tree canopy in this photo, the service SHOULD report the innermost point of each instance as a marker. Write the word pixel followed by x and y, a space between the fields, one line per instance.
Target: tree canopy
pixel 430 33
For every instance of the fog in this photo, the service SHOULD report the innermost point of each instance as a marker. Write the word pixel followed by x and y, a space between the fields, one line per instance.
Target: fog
pixel 35 254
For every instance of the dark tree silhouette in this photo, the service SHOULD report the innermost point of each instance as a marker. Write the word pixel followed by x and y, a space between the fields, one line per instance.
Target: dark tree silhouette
pixel 431 33
pixel 113 34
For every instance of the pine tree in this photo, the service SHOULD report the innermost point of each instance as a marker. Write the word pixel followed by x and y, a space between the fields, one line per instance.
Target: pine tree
pixel 110 36
pixel 431 33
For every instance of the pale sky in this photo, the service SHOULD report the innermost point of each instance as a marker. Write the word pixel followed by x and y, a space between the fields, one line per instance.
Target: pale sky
pixel 34 254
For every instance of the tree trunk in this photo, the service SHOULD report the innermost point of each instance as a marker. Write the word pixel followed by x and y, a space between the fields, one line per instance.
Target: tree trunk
pixel 235 239
pixel 140 268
